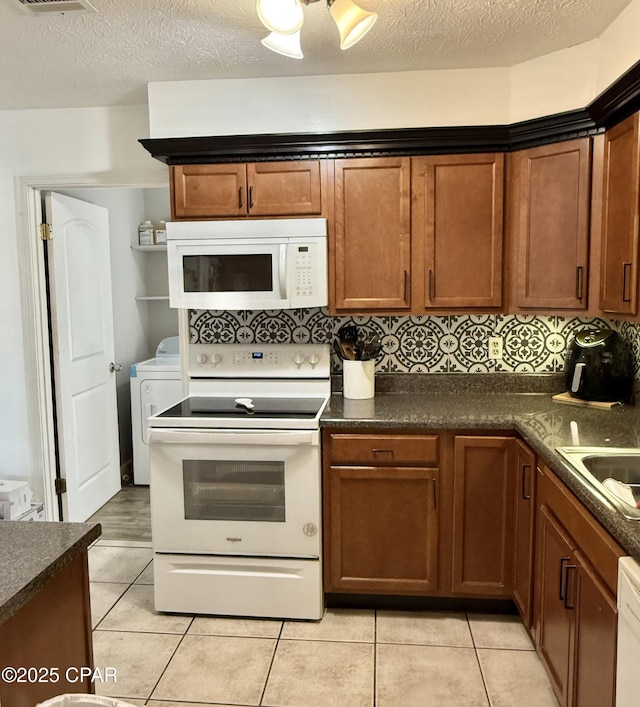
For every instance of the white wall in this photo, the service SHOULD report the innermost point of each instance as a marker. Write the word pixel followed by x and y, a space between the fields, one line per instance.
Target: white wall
pixel 15 451
pixel 328 103
pixel 565 80
pixel 88 145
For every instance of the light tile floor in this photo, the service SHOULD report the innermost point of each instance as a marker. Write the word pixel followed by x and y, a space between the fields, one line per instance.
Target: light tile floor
pixel 351 658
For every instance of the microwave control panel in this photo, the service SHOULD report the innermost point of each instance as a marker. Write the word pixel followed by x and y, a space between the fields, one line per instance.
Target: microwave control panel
pixel 303 285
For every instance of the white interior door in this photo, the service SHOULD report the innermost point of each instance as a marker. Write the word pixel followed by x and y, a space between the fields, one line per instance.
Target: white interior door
pixel 83 351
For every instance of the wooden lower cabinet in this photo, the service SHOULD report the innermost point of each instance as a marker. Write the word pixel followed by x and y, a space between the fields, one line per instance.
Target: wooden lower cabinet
pixel 470 515
pixel 555 621
pixel 381 529
pixel 483 483
pixel 576 618
pixel 413 514
pixel 594 660
pixel 523 523
pixel 51 631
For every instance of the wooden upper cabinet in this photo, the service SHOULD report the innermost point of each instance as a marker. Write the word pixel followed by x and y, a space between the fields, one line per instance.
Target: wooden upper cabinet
pixel 284 188
pixel 208 191
pixel 255 189
pixel 458 226
pixel 550 195
pixel 372 234
pixel 621 193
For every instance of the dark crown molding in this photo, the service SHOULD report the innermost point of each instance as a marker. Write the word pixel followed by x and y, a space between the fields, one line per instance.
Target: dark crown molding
pixel 613 105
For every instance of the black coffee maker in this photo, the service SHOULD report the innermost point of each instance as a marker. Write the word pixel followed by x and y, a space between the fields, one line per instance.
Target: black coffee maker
pixel 598 367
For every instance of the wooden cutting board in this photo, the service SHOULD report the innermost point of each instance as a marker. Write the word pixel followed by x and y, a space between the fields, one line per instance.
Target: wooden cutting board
pixel 566 398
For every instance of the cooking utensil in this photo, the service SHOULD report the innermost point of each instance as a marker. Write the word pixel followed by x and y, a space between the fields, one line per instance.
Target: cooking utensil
pixel 371 347
pixel 348 333
pixel 348 336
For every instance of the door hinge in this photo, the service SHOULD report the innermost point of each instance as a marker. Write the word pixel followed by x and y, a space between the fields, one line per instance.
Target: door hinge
pixel 46 232
pixel 60 486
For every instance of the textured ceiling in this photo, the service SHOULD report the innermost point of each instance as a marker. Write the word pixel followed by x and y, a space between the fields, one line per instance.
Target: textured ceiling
pixel 107 58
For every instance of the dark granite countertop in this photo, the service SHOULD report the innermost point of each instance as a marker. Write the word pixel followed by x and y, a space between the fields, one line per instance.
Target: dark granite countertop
pixel 31 553
pixel 454 402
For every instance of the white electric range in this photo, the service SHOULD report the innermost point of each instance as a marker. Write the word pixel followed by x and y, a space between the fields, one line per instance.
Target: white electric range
pixel 236 483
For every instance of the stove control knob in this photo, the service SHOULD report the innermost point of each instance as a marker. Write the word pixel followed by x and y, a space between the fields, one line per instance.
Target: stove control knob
pixel 215 359
pixel 314 360
pixel 298 359
pixel 201 358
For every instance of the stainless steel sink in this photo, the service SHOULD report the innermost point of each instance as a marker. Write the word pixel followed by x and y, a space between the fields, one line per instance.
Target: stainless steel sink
pixel 593 465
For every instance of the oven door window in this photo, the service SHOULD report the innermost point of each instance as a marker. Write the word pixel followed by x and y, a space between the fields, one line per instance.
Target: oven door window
pixel 234 490
pixel 228 273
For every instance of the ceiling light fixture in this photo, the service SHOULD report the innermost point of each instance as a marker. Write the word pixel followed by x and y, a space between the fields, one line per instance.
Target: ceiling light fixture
pixel 284 19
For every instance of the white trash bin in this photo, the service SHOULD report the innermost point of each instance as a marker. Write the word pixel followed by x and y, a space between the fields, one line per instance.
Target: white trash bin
pixel 78 700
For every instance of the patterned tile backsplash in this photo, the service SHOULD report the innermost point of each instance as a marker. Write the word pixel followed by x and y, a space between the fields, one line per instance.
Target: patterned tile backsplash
pixel 455 343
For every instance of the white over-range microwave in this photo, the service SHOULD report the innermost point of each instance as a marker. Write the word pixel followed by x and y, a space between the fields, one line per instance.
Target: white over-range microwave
pixel 252 264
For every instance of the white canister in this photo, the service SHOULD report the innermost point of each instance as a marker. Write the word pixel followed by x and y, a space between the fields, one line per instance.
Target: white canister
pixel 358 379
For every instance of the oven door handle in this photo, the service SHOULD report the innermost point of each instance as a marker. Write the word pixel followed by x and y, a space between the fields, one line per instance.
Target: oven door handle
pixel 303 437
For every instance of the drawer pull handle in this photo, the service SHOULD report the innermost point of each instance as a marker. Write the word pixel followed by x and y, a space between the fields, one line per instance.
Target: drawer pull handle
pixel 562 578
pixel 526 493
pixel 579 281
pixel 377 452
pixel 568 603
pixel 626 268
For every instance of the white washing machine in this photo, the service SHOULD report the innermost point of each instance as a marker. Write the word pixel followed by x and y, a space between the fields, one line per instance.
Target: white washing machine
pixel 155 385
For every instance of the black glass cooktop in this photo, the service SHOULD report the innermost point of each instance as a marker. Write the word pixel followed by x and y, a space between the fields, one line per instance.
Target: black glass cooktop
pixel 214 407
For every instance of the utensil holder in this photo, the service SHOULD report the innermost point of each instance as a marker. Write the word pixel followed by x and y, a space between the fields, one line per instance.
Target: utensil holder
pixel 358 379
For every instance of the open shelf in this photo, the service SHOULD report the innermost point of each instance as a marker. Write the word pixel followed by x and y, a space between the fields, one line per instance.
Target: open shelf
pixel 149 248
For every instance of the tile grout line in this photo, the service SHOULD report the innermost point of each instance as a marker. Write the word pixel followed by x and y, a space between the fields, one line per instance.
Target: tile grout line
pixel 110 609
pixel 475 650
pixel 169 661
pixel 273 657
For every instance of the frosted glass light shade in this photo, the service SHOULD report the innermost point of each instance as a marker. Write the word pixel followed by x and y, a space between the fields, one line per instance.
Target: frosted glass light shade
pixel 286 44
pixel 281 16
pixel 353 22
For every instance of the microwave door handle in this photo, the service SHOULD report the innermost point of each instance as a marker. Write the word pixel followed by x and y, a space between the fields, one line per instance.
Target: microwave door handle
pixel 282 271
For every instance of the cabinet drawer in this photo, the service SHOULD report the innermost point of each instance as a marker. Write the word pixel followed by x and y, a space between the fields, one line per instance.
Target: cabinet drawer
pixel 383 449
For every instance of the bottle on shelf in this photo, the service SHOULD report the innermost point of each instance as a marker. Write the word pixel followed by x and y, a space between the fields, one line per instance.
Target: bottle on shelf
pixel 145 233
pixel 161 233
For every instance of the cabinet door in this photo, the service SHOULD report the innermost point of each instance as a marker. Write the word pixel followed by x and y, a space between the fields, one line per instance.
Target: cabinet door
pixel 372 234
pixel 525 470
pixel 596 619
pixel 381 530
pixel 483 516
pixel 551 227
pixel 555 621
pixel 619 283
pixel 462 230
pixel 209 190
pixel 284 188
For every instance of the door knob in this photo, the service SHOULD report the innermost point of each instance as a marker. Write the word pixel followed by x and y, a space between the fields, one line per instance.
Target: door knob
pixel 114 367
